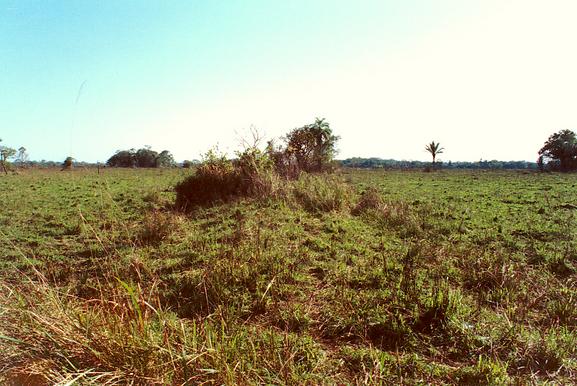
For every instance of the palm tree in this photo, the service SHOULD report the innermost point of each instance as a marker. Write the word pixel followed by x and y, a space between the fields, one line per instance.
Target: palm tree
pixel 324 142
pixel 435 149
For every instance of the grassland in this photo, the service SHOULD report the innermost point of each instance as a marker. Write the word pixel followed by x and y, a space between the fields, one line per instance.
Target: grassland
pixel 368 277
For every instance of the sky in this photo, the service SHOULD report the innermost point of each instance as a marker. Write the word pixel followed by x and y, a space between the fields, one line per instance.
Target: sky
pixel 488 79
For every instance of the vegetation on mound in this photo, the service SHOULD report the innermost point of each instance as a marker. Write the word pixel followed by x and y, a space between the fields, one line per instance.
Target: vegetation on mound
pixel 263 174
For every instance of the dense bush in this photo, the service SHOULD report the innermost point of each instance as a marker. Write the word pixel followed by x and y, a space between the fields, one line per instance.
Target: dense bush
pixel 219 179
pixel 257 174
pixel 215 179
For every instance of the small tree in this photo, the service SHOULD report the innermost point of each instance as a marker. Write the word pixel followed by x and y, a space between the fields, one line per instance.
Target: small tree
pixel 312 146
pixel 165 160
pixel 5 154
pixel 22 156
pixel 435 149
pixel 67 164
pixel 561 151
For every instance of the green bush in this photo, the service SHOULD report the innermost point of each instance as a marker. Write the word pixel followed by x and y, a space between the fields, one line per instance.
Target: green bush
pixel 257 174
pixel 215 179
pixel 219 179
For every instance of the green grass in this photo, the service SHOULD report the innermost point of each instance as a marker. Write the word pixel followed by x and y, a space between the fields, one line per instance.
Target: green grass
pixel 367 277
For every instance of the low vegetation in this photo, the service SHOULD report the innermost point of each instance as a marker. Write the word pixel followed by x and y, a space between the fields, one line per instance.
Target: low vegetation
pixel 359 277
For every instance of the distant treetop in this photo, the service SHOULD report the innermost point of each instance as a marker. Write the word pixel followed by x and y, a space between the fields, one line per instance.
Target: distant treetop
pixel 141 158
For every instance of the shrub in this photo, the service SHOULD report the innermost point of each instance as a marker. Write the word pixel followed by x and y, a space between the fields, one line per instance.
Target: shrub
pixel 68 163
pixel 186 164
pixel 257 174
pixel 219 179
pixel 215 179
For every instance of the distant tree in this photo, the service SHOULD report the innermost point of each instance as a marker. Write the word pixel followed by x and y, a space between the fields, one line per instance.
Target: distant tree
pixel 5 154
pixel 435 149
pixel 312 146
pixel 22 156
pixel 68 163
pixel 141 158
pixel 123 159
pixel 146 157
pixel 165 160
pixel 186 164
pixel 560 150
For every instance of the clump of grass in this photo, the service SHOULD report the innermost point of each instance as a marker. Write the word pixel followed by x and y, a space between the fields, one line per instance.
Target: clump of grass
pixel 48 336
pixel 155 200
pixel 158 226
pixel 487 371
pixel 370 200
pixel 293 318
pixel 489 271
pixel 562 308
pixel 322 193
pixel 394 214
pixel 257 174
pixel 546 353
pixel 437 310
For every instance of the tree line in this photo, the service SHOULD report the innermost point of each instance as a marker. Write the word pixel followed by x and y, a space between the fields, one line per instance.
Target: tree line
pixel 376 163
pixel 309 148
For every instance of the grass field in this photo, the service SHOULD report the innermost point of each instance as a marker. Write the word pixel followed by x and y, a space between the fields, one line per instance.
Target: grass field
pixel 367 277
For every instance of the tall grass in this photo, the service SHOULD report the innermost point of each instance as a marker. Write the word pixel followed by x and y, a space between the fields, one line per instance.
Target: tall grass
pixel 49 336
pixel 322 193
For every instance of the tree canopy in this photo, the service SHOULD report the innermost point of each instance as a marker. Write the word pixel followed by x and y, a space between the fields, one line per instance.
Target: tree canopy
pixel 141 158
pixel 560 151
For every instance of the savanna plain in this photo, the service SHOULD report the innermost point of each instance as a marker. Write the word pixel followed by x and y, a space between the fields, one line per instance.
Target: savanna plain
pixel 359 277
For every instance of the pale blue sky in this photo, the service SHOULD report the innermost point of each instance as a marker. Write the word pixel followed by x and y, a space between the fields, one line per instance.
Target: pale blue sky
pixel 488 79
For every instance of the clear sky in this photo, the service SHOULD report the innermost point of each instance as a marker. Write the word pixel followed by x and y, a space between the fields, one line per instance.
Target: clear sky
pixel 489 79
